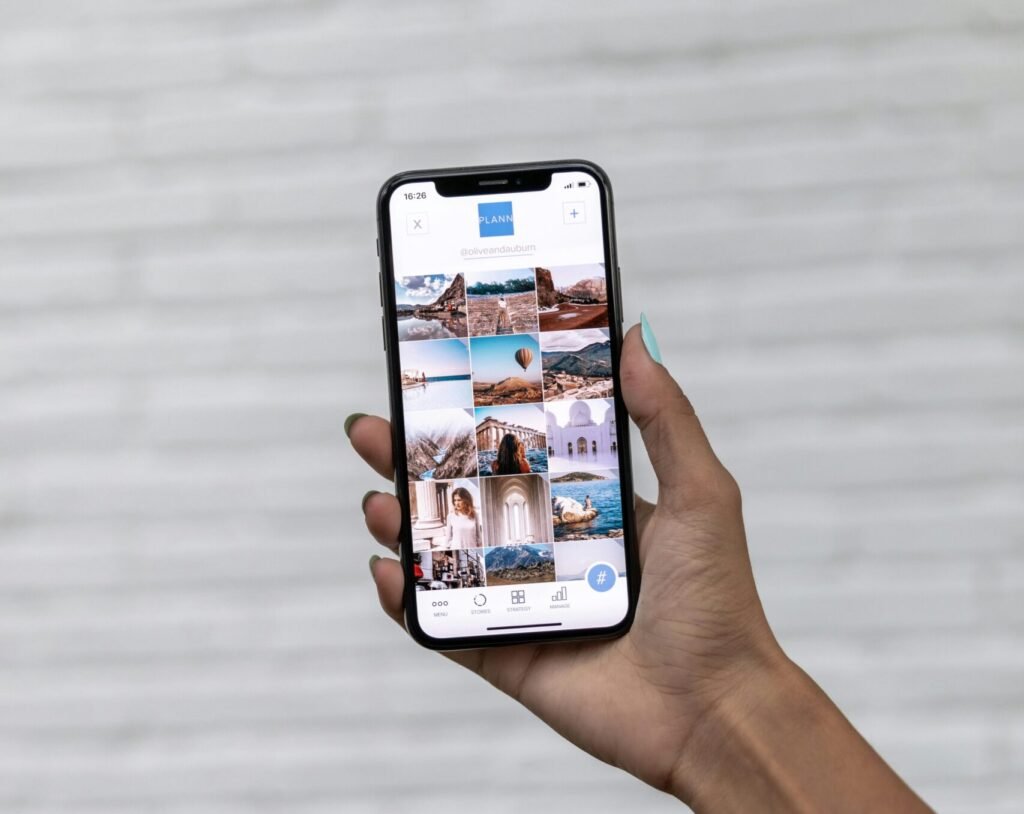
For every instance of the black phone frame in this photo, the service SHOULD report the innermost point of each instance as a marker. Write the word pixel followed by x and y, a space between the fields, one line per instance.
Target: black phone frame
pixel 503 179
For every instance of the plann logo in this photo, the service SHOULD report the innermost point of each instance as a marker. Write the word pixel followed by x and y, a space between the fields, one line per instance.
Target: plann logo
pixel 496 219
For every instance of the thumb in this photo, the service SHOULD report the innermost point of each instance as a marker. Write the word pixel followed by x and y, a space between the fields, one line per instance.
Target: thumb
pixel 688 471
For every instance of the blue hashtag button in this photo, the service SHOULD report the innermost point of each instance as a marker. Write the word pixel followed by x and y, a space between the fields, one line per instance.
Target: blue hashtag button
pixel 601 577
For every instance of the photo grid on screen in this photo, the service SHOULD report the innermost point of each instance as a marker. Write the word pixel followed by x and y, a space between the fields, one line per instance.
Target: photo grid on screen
pixel 511 441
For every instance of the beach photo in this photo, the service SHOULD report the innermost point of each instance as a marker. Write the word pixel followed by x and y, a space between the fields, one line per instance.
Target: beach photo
pixel 516 510
pixel 431 306
pixel 445 514
pixel 586 505
pixel 510 439
pixel 435 374
pixel 519 564
pixel 581 435
pixel 444 570
pixel 573 560
pixel 440 444
pixel 572 297
pixel 501 302
pixel 576 364
pixel 506 369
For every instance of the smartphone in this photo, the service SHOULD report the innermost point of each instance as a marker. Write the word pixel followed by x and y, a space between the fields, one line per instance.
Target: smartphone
pixel 502 324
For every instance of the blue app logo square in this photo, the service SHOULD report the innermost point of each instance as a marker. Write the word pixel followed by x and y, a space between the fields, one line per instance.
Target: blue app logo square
pixel 496 219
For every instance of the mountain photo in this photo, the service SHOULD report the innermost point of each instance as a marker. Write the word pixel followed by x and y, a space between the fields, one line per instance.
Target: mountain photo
pixel 440 445
pixel 577 364
pixel 519 565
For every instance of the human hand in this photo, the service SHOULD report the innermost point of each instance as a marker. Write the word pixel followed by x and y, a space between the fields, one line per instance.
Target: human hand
pixel 698 687
pixel 699 628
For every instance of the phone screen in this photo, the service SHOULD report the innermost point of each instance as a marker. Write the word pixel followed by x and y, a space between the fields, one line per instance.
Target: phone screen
pixel 512 444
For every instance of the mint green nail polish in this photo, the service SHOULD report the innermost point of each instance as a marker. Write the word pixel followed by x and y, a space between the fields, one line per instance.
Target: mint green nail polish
pixel 647 334
pixel 373 561
pixel 352 419
pixel 366 497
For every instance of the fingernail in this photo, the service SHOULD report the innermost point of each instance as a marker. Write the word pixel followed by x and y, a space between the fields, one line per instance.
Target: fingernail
pixel 647 334
pixel 367 496
pixel 373 562
pixel 352 419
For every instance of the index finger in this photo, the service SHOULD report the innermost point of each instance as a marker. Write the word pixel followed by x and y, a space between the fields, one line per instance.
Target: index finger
pixel 371 438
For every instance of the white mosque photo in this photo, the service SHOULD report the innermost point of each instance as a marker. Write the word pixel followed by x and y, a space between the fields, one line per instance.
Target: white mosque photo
pixel 581 435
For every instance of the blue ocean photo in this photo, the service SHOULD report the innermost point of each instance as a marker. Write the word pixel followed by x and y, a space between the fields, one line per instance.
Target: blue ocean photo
pixel 436 375
pixel 438 392
pixel 605 497
pixel 537 458
pixel 444 327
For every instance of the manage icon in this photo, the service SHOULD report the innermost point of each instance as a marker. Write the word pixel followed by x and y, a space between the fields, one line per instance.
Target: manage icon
pixel 496 219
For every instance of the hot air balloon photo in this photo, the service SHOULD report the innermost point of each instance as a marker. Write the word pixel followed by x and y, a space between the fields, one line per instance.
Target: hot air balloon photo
pixel 506 369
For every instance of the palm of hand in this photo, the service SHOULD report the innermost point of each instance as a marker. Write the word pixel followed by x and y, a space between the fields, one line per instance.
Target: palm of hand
pixel 634 701
pixel 697 698
pixel 640 695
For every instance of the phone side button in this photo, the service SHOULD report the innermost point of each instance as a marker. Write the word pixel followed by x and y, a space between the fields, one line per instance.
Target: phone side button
pixel 618 293
pixel 384 333
pixel 380 288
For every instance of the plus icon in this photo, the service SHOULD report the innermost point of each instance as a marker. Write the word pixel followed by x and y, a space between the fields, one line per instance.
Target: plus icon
pixel 574 212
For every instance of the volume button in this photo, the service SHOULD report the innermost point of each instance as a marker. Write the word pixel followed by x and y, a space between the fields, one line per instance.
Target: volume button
pixel 380 288
pixel 384 333
pixel 618 292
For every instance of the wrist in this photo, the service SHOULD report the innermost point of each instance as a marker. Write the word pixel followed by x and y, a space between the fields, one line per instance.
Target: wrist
pixel 775 742
pixel 728 745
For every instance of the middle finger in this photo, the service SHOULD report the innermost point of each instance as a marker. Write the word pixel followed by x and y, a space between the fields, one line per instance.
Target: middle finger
pixel 383 515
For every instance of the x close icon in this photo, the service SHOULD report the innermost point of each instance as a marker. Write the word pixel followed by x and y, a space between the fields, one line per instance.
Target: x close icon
pixel 417 223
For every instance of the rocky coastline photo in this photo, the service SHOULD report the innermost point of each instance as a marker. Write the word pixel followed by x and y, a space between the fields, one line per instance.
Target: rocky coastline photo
pixel 431 306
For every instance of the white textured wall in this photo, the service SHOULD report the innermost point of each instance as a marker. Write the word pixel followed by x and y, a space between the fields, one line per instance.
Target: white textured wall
pixel 821 207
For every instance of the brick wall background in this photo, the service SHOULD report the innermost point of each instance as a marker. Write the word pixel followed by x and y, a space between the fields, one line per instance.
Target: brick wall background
pixel 821 207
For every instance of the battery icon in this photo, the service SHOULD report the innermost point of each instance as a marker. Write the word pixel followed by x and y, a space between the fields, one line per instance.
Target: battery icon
pixel 583 183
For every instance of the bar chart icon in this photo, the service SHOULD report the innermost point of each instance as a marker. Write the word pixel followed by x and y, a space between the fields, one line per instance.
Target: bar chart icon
pixel 561 596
